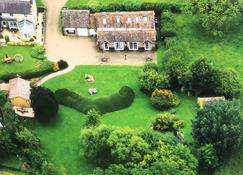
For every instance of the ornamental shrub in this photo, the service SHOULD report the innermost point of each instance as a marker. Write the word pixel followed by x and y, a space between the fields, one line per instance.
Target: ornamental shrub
pixel 150 80
pixel 62 64
pixel 164 99
pixel 38 52
pixel 93 119
pixel 167 122
pixel 115 102
pixel 150 66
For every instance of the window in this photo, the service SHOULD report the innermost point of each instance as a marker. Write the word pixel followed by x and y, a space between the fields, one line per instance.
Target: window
pixel 71 31
pixel 133 46
pixel 118 20
pixel 104 21
pixel 137 19
pixel 119 45
pixel 105 46
pixel 147 45
pixel 145 19
pixel 129 20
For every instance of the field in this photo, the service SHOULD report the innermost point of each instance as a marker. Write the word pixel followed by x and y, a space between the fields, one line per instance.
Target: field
pixel 104 3
pixel 225 53
pixel 60 139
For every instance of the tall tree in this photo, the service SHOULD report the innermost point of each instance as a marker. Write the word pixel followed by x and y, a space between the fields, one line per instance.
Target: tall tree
pixel 216 16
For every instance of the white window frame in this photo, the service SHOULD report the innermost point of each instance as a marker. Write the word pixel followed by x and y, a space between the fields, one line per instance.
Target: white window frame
pixel 133 45
pixel 137 19
pixel 118 19
pixel 119 45
pixel 147 45
pixel 104 21
pixel 71 31
pixel 145 19
pixel 106 46
pixel 129 20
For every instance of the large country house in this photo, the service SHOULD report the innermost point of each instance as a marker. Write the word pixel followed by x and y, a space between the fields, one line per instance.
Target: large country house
pixel 19 15
pixel 113 30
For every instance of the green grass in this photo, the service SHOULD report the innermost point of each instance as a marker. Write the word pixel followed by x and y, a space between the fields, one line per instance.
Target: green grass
pixel 60 139
pixel 40 3
pixel 9 172
pixel 225 53
pixel 104 3
pixel 29 62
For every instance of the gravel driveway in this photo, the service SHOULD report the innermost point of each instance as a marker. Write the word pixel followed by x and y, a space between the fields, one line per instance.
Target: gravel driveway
pixel 79 50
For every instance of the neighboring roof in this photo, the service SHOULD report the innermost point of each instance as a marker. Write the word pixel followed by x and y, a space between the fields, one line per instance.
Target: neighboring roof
pixel 4 87
pixel 15 6
pixel 75 18
pixel 208 100
pixel 19 87
pixel 127 36
pixel 134 19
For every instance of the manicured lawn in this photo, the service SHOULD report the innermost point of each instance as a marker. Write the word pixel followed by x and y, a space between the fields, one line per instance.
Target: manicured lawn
pixel 104 3
pixel 225 52
pixel 60 139
pixel 39 3
pixel 29 63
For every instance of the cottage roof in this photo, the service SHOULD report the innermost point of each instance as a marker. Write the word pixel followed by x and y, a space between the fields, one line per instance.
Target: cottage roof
pixel 134 19
pixel 4 87
pixel 19 87
pixel 15 6
pixel 76 18
pixel 127 36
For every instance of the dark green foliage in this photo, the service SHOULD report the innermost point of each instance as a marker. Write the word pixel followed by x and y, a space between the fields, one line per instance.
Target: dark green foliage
pixel 62 64
pixel 6 144
pixel 124 151
pixel 150 66
pixel 44 104
pixel 151 80
pixel 93 119
pixel 216 17
pixel 219 124
pixel 44 68
pixel 207 158
pixel 167 122
pixel 115 102
pixel 38 52
pixel 228 84
pixel 3 98
pixel 164 99
pixel 7 38
pixel 168 27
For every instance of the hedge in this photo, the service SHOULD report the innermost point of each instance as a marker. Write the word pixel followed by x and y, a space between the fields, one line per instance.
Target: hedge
pixel 45 67
pixel 115 102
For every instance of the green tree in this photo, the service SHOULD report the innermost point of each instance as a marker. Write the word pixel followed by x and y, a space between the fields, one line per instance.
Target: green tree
pixel 219 124
pixel 3 98
pixel 150 66
pixel 93 119
pixel 151 80
pixel 6 144
pixel 44 104
pixel 217 17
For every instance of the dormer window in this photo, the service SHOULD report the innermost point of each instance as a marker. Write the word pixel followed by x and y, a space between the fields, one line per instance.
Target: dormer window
pixel 129 20
pixel 145 19
pixel 118 20
pixel 137 19
pixel 104 21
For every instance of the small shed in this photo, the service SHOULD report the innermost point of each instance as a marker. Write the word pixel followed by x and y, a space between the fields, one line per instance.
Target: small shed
pixel 207 100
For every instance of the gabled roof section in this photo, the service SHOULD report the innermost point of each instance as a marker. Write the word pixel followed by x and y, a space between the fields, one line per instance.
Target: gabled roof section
pixel 15 6
pixel 19 87
pixel 76 18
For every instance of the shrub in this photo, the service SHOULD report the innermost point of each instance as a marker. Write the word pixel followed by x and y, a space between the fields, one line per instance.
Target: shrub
pixel 150 66
pixel 163 99
pixel 7 38
pixel 151 80
pixel 18 58
pixel 115 102
pixel 38 52
pixel 62 64
pixel 167 122
pixel 93 119
pixel 3 98
pixel 219 124
pixel 168 27
pixel 44 104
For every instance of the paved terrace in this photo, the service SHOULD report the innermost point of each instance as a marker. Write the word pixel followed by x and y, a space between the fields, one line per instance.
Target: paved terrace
pixel 78 50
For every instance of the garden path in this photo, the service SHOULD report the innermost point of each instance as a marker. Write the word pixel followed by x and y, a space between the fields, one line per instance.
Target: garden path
pixel 79 50
pixel 55 74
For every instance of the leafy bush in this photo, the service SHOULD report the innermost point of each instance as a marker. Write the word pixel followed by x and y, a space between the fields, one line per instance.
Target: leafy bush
pixel 168 27
pixel 7 38
pixel 219 124
pixel 163 99
pixel 150 66
pixel 151 80
pixel 62 64
pixel 3 98
pixel 44 103
pixel 38 52
pixel 115 102
pixel 167 122
pixel 93 119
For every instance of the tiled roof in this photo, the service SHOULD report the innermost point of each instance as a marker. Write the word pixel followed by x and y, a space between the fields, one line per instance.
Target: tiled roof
pixel 127 36
pixel 15 6
pixel 75 18
pixel 19 87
